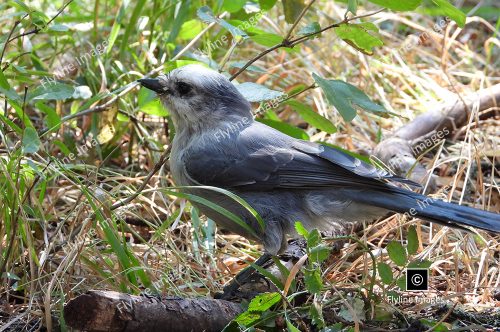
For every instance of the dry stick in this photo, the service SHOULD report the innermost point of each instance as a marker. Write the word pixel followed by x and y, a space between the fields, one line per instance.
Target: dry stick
pixel 112 311
pixel 294 42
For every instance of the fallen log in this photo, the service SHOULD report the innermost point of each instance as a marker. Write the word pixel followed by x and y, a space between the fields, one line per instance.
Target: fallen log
pixel 97 311
pixel 400 150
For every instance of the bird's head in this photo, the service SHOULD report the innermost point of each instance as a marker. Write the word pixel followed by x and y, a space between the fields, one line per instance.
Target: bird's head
pixel 197 97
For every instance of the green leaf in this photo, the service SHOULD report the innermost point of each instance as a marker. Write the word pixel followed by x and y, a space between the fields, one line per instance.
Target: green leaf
pixel 247 318
pixel 412 246
pixel 313 281
pixel 319 253
pixel 314 238
pixel 398 5
pixel 254 92
pixel 311 117
pixel 360 36
pixel 131 25
pixel 352 6
pixel 52 120
pixel 267 39
pixel 263 302
pixel 385 273
pixel 397 253
pixel 401 282
pixel 233 6
pixel 154 107
pixel 190 29
pixel 344 96
pixel 309 29
pixel 451 11
pixel 31 141
pixel 286 128
pixel 267 4
pixel 301 230
pixel 52 91
pixel 291 327
pixel 292 9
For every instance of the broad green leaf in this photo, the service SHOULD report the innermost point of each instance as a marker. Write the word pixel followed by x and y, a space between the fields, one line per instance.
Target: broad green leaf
pixel 154 107
pixel 451 11
pixel 52 91
pixel 397 253
pixel 314 238
pixel 313 281
pixel 247 318
pixel 266 4
pixel 401 282
pixel 311 117
pixel 267 39
pixel 263 302
pixel 360 36
pixel 398 5
pixel 309 29
pixel 292 9
pixel 233 6
pixel 190 29
pixel 31 141
pixel 286 128
pixel 319 253
pixel 385 273
pixel 301 230
pixel 352 6
pixel 254 92
pixel 344 96
pixel 412 246
pixel 52 119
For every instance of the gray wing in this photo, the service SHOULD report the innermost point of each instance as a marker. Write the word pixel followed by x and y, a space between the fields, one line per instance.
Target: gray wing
pixel 262 158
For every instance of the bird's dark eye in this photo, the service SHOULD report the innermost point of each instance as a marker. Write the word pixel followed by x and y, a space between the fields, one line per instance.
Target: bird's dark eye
pixel 183 88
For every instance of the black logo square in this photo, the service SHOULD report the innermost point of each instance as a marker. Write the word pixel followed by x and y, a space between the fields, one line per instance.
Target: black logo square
pixel 417 279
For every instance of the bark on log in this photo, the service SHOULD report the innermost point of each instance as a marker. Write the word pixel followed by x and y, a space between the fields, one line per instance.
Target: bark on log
pixel 399 151
pixel 112 312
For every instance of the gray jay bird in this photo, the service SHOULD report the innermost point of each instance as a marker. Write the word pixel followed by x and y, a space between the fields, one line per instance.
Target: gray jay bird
pixel 218 143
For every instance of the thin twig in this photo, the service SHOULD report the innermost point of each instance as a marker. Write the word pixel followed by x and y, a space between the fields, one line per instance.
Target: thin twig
pixel 37 30
pixel 301 15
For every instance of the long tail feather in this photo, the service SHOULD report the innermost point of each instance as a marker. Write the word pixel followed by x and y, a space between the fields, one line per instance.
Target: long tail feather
pixel 413 204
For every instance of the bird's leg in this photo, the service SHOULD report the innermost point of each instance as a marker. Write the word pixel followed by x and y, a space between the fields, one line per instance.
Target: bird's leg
pixel 242 278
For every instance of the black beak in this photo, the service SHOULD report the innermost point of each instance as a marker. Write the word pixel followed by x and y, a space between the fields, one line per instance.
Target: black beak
pixel 152 84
